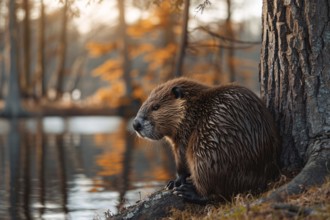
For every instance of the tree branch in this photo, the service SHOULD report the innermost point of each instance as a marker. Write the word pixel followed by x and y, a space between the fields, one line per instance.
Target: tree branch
pixel 220 46
pixel 206 30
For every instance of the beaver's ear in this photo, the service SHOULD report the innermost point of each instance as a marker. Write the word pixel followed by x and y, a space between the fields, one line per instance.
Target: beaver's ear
pixel 177 92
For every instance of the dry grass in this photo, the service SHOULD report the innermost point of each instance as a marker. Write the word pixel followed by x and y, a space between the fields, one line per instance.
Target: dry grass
pixel 313 204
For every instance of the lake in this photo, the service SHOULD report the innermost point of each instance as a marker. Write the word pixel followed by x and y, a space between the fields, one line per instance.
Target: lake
pixel 76 167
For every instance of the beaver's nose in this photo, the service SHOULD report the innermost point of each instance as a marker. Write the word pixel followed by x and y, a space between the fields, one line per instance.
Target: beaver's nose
pixel 137 125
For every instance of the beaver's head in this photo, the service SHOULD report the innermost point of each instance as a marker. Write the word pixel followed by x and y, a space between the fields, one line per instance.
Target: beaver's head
pixel 161 114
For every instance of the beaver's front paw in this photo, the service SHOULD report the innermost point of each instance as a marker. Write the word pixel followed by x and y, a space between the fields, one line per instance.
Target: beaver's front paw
pixel 180 180
pixel 189 194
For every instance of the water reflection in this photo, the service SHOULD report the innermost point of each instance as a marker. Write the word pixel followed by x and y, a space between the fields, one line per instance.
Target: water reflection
pixel 76 168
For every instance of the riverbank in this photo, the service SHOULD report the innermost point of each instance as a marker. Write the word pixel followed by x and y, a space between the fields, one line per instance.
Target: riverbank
pixel 64 108
pixel 313 204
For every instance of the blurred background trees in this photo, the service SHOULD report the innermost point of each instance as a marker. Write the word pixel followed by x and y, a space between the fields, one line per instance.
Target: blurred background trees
pixel 112 53
pixel 75 57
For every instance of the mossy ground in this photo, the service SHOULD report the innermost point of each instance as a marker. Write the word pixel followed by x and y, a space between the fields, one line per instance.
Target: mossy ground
pixel 313 204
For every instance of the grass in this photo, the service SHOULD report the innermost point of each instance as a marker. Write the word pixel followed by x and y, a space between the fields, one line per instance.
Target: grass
pixel 312 204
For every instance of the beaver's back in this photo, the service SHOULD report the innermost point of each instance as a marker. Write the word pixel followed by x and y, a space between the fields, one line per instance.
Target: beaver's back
pixel 234 146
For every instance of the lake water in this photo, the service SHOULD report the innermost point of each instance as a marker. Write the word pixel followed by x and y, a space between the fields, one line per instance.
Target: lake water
pixel 76 167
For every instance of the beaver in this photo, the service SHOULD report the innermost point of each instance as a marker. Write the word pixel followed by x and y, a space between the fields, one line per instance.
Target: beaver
pixel 223 138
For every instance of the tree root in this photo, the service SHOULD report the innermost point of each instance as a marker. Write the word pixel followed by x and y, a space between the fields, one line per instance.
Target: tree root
pixel 292 210
pixel 315 172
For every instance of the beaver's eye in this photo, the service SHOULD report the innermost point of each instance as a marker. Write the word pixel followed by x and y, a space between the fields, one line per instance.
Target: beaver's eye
pixel 155 107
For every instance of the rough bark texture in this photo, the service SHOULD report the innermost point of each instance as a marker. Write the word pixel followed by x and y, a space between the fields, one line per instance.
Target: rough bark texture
pixel 295 84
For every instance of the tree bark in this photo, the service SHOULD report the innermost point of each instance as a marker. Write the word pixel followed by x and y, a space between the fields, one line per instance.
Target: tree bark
pixel 295 85
pixel 184 40
pixel 13 106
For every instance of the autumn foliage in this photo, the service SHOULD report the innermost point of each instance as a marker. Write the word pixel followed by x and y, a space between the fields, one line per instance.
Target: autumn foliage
pixel 153 43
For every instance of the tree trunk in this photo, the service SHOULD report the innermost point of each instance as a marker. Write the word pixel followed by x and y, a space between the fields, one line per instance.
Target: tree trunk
pixel 40 72
pixel 184 40
pixel 76 72
pixel 2 63
pixel 62 53
pixel 124 47
pixel 231 50
pixel 295 84
pixel 167 70
pixel 12 101
pixel 26 45
pixel 218 63
pixel 2 75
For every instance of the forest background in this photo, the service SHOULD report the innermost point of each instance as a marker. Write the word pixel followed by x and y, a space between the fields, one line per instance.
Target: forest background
pixel 98 57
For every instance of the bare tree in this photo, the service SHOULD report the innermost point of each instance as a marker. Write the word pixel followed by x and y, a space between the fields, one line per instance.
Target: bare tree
pixel 295 84
pixel 2 74
pixel 13 106
pixel 166 71
pixel 124 46
pixel 76 72
pixel 218 66
pixel 26 46
pixel 184 40
pixel 231 49
pixel 62 52
pixel 2 70
pixel 40 72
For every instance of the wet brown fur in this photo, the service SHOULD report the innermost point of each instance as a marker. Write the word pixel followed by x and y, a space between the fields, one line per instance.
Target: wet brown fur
pixel 223 136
